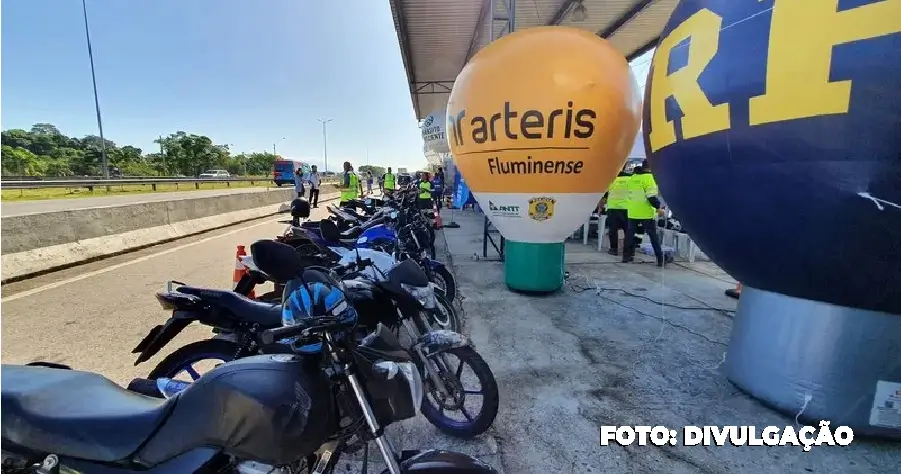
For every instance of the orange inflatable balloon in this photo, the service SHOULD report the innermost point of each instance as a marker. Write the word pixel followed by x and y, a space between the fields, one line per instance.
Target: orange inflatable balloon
pixel 539 123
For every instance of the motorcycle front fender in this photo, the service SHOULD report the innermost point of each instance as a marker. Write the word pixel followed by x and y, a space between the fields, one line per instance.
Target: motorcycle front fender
pixel 435 461
pixel 435 265
pixel 441 340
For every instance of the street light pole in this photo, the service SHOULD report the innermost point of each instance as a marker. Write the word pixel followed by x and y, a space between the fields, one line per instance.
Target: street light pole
pixel 163 156
pixel 325 142
pixel 273 146
pixel 87 35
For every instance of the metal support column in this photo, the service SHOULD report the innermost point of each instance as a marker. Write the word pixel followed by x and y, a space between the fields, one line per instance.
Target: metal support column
pixel 508 16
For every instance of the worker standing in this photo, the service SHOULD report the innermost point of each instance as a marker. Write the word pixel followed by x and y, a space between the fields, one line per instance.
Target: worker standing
pixel 299 178
pixel 617 215
pixel 642 210
pixel 438 188
pixel 351 186
pixel 315 180
pixel 390 182
pixel 425 192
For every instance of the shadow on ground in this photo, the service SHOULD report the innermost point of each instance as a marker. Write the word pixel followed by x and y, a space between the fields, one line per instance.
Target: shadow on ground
pixel 604 351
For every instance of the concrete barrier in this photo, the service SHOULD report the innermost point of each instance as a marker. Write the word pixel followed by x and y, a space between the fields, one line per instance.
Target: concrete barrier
pixel 36 243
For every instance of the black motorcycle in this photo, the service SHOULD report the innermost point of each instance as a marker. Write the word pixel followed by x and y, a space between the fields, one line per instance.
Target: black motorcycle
pixel 280 413
pixel 397 302
pixel 415 240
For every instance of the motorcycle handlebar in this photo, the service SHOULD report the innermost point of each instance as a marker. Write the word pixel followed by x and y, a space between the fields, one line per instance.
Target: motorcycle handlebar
pixel 269 336
pixel 304 329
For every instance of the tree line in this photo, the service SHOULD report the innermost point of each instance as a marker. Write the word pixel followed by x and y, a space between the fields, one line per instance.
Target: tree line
pixel 45 151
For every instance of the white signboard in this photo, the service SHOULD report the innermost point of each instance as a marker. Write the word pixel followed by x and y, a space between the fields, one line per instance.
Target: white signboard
pixel 433 136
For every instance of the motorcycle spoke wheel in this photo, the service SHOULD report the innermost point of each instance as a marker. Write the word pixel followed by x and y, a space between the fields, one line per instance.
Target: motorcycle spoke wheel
pixel 444 316
pixel 437 279
pixel 471 403
pixel 195 369
pixel 190 362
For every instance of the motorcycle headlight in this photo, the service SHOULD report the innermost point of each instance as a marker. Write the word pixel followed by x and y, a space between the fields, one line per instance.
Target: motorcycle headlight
pixel 424 294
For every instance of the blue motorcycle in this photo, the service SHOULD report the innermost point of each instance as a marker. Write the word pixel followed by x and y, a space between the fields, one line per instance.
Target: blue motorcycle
pixel 403 234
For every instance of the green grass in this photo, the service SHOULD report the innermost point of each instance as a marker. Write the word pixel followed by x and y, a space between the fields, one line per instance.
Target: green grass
pixel 68 193
pixel 119 190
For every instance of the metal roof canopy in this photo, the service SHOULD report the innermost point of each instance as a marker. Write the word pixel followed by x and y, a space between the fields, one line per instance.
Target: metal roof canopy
pixel 437 37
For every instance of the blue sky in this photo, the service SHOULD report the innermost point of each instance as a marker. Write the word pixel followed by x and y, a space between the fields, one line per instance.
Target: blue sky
pixel 243 73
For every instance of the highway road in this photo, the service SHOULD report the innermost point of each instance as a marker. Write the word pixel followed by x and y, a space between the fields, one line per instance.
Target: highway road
pixel 91 316
pixel 16 208
pixel 577 361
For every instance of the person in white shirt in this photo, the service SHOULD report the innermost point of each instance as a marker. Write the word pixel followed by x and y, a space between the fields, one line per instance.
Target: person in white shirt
pixel 314 181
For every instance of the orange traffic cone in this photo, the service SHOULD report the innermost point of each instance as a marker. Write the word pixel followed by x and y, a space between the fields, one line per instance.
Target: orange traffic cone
pixel 438 222
pixel 240 269
pixel 734 293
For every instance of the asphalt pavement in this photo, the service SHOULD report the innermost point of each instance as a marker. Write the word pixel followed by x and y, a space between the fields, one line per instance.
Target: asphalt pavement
pixel 16 208
pixel 91 316
pixel 565 364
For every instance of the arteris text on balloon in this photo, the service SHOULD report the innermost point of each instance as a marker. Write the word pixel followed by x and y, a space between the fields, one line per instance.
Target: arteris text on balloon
pixel 531 124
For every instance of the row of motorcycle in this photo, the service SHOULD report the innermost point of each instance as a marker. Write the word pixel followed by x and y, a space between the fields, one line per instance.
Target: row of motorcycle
pixel 360 332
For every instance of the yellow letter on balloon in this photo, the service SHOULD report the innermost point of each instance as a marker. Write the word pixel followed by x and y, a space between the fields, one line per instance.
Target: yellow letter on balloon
pixel 700 117
pixel 802 37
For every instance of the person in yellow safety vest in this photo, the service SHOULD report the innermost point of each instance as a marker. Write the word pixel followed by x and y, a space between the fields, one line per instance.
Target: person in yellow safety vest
pixel 351 188
pixel 642 210
pixel 617 198
pixel 390 182
pixel 425 193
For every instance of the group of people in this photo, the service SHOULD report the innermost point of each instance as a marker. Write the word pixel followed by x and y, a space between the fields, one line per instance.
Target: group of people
pixel 351 186
pixel 633 201
pixel 313 179
pixel 431 191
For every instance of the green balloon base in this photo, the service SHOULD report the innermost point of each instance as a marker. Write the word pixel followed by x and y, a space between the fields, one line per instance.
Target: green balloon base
pixel 533 268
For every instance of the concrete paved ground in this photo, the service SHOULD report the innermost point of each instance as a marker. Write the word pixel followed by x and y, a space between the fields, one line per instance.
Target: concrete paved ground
pixel 15 208
pixel 604 352
pixel 565 363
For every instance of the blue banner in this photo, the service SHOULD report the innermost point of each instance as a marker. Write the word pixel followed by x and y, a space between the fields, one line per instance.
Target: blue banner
pixel 461 191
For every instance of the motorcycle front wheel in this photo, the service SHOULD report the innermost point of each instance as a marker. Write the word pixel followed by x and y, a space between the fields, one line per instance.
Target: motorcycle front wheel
pixel 435 406
pixel 445 316
pixel 445 281
pixel 185 358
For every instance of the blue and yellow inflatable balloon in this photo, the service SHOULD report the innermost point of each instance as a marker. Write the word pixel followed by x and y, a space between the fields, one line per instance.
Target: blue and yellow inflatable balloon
pixel 774 131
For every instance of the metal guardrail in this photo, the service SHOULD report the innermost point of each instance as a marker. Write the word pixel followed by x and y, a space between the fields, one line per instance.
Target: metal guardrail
pixel 90 184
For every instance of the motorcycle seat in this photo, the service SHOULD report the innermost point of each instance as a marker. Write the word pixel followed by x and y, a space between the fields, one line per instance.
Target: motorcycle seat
pixel 330 233
pixel 353 213
pixel 267 315
pixel 77 414
pixel 352 233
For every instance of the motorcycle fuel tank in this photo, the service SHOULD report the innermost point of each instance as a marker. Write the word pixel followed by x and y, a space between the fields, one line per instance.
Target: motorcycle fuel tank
pixel 273 409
